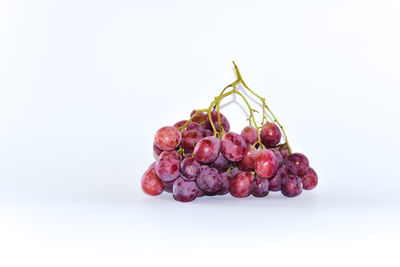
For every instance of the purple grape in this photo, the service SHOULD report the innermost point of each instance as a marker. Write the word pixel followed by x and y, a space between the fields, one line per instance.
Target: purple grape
pixel 179 124
pixel 208 132
pixel 157 150
pixel 284 150
pixel 291 186
pixel 270 135
pixel 310 179
pixel 226 183
pixel 265 164
pixel 172 154
pixel 276 180
pixel 201 117
pixel 214 116
pixel 167 138
pixel 234 171
pixel 167 169
pixel 297 164
pixel 233 146
pixel 260 187
pixel 250 135
pixel 278 157
pixel 190 169
pixel 221 163
pixel 209 180
pixel 195 127
pixel 168 186
pixel 241 184
pixel 247 163
pixel 207 149
pixel 183 190
pixel 190 139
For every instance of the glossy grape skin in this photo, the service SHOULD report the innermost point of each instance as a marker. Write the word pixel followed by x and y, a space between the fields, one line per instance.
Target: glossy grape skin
pixel 260 187
pixel 226 183
pixel 207 149
pixel 278 157
pixel 201 117
pixel 171 153
pixel 265 164
pixel 291 185
pixel 270 135
pixel 214 116
pixel 184 190
pixel 208 132
pixel 284 150
pixel 189 140
pixel 241 184
pixel 297 164
pixel 209 180
pixel 157 150
pixel 167 169
pixel 167 138
pixel 249 134
pixel 190 169
pixel 247 163
pixel 233 146
pixel 151 183
pixel 168 186
pixel 309 179
pixel 221 163
pixel 276 180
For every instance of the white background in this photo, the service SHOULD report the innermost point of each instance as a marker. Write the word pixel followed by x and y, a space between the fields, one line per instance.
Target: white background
pixel 85 84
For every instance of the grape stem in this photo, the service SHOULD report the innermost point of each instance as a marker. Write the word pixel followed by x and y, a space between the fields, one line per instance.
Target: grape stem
pixel 215 104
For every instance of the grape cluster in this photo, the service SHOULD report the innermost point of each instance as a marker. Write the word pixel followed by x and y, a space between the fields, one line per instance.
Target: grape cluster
pixel 201 156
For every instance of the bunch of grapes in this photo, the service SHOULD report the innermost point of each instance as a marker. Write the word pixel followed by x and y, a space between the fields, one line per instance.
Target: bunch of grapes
pixel 201 156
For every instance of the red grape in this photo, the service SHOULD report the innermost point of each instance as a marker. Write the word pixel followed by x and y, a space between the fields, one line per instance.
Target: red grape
pixel 221 163
pixel 190 139
pixel 297 164
pixel 278 157
pixel 209 180
pixel 179 124
pixel 259 187
pixel 183 190
pixel 208 132
pixel 247 163
pixel 310 179
pixel 168 186
pixel 157 150
pixel 214 116
pixel 151 183
pixel 265 164
pixel 276 180
pixel 233 146
pixel 172 154
pixel 226 182
pixel 270 134
pixel 194 126
pixel 207 149
pixel 167 169
pixel 284 150
pixel 291 185
pixel 190 169
pixel 201 117
pixel 167 138
pixel 250 135
pixel 241 184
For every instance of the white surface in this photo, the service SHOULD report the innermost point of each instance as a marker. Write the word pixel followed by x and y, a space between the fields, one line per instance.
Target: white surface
pixel 85 84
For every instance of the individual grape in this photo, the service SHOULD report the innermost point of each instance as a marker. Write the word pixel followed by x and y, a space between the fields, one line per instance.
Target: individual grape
pixel 270 135
pixel 167 169
pixel 233 146
pixel 250 135
pixel 278 157
pixel 151 183
pixel 209 180
pixel 194 126
pixel 265 164
pixel 276 180
pixel 201 117
pixel 241 184
pixel 226 183
pixel 208 132
pixel 171 153
pixel 190 139
pixel 297 164
pixel 284 150
pixel 291 185
pixel 224 122
pixel 179 124
pixel 167 138
pixel 247 163
pixel 168 186
pixel 260 187
pixel 221 163
pixel 234 171
pixel 310 179
pixel 190 169
pixel 200 192
pixel 207 149
pixel 157 150
pixel 184 190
